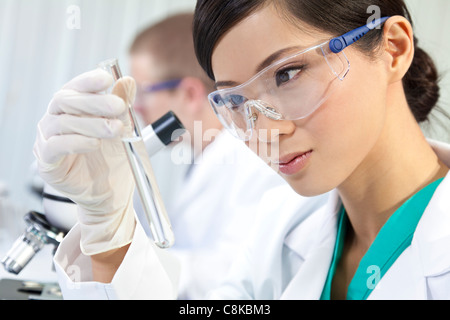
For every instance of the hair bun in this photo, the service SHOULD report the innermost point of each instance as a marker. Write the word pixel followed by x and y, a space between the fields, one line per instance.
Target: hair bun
pixel 421 85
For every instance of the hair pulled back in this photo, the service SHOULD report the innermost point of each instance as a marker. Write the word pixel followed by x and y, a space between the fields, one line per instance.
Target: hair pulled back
pixel 213 18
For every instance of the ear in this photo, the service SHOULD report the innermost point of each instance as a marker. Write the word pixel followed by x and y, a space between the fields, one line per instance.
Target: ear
pixel 193 94
pixel 399 46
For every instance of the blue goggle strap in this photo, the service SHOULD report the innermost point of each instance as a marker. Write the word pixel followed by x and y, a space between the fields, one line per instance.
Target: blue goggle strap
pixel 171 84
pixel 340 43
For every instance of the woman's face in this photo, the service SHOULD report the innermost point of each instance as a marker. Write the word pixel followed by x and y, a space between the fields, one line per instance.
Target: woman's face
pixel 320 152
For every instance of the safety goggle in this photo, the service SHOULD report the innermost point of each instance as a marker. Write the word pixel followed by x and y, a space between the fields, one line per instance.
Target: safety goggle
pixel 142 91
pixel 289 89
pixel 159 86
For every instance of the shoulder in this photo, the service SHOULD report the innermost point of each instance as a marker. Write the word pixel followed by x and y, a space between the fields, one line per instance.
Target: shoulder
pixel 434 226
pixel 431 242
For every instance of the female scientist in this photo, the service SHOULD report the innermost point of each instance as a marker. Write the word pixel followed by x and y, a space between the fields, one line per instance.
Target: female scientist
pixel 344 109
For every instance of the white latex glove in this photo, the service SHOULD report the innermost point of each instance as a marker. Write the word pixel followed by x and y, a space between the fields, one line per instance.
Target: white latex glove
pixel 79 152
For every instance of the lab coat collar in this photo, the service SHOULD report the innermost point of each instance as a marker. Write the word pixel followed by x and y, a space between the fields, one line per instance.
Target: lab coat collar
pixel 315 246
pixel 432 237
pixel 222 151
pixel 219 148
pixel 301 238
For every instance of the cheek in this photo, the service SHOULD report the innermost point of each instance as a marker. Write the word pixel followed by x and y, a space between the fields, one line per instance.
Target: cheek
pixel 342 133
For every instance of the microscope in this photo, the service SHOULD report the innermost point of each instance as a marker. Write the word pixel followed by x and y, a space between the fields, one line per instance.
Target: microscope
pixel 60 215
pixel 41 230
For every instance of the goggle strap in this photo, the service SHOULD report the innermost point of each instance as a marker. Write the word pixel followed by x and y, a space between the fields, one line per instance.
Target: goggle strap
pixel 340 43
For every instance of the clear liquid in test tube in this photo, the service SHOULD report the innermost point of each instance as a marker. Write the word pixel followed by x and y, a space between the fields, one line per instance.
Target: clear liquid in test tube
pixel 153 218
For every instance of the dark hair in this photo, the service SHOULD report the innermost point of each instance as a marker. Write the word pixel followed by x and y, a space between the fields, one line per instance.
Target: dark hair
pixel 213 18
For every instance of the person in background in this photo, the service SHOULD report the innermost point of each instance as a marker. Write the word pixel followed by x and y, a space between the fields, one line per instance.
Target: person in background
pixel 209 214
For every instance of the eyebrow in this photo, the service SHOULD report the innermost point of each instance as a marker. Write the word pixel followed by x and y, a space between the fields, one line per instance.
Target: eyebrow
pixel 225 84
pixel 267 62
pixel 273 57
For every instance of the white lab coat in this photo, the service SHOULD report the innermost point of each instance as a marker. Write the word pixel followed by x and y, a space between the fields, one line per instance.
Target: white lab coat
pixel 288 256
pixel 214 209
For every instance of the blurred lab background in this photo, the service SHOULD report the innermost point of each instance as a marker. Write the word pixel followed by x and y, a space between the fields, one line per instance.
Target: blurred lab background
pixel 45 43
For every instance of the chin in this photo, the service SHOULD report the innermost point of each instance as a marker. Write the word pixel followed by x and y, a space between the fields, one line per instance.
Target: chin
pixel 307 187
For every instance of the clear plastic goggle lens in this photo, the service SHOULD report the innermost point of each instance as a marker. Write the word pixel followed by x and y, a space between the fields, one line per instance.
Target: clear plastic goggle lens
pixel 289 89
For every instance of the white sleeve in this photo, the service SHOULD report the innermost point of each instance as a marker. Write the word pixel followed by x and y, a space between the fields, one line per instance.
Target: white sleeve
pixel 147 272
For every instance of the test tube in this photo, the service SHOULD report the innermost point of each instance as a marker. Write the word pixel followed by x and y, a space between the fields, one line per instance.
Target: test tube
pixel 153 218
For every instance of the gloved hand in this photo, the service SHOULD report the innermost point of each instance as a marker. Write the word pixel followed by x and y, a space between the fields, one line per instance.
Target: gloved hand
pixel 79 152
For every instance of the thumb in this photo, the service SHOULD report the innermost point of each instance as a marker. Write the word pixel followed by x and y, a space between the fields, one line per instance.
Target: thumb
pixel 125 88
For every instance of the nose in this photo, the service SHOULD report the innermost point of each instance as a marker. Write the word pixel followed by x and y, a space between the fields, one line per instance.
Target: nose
pixel 270 131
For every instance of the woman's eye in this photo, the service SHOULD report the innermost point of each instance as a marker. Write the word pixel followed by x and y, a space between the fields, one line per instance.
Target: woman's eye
pixel 217 99
pixel 287 75
pixel 235 100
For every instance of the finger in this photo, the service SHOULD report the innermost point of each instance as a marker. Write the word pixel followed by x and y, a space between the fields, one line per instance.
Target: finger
pixel 97 80
pixel 76 103
pixel 51 151
pixel 103 128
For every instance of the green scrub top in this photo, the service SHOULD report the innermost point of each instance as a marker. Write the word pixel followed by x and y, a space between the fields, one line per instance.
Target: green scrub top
pixel 392 239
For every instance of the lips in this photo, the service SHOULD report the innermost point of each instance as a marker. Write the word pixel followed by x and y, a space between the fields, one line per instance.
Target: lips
pixel 293 163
